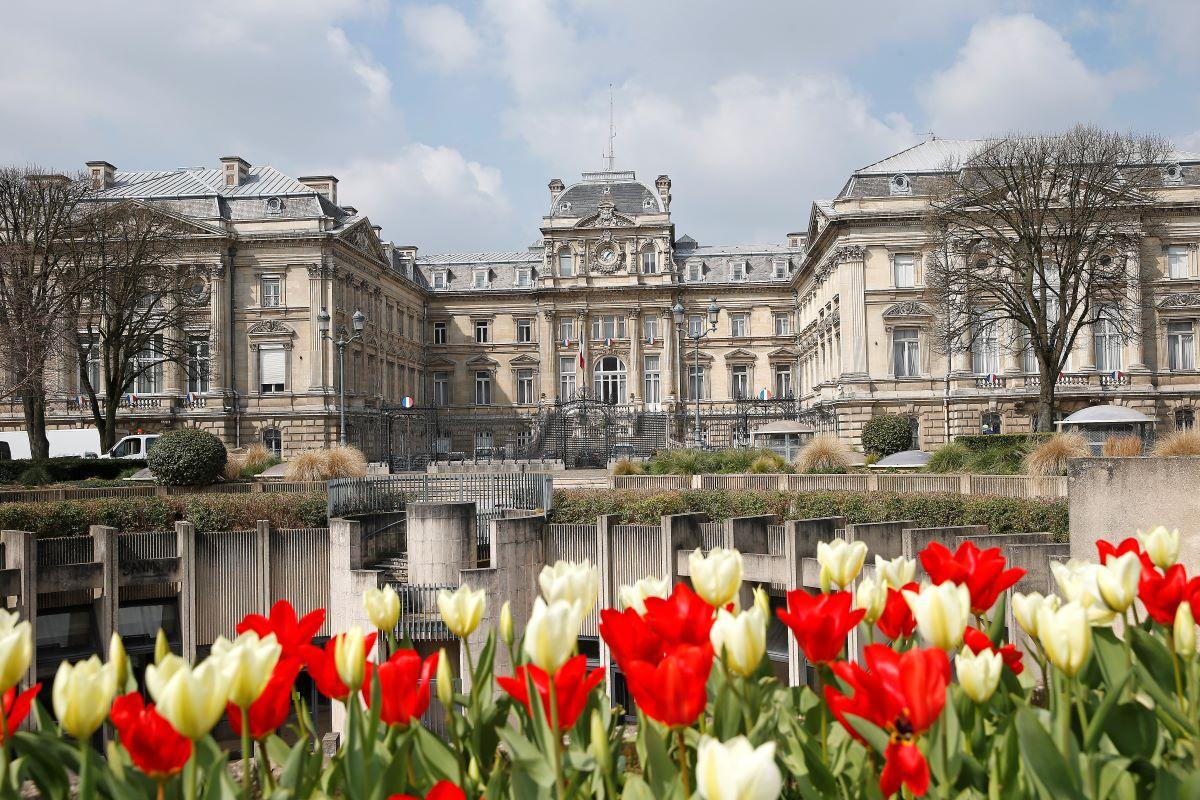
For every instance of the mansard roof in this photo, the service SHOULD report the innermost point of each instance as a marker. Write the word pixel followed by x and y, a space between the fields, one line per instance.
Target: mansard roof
pixel 263 181
pixel 622 188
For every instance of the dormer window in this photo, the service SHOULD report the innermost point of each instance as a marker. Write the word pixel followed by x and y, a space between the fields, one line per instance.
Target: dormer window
pixel 440 279
pixel 564 207
pixel 1173 175
pixel 900 185
pixel 778 269
pixel 695 272
pixel 523 277
pixel 482 278
pixel 274 205
pixel 648 204
pixel 737 271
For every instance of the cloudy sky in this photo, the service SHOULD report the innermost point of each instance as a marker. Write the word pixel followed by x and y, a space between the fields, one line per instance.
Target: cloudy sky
pixel 444 121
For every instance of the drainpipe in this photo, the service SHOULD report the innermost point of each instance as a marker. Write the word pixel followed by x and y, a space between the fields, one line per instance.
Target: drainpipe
pixel 230 357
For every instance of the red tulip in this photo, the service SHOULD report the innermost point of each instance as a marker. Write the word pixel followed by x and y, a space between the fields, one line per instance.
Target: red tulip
pixel 897 619
pixel 271 708
pixel 981 571
pixel 820 623
pixel 674 691
pixel 682 618
pixel 630 637
pixel 442 790
pixel 155 747
pixel 320 665
pixel 403 686
pixel 1161 593
pixel 16 707
pixel 902 693
pixel 978 641
pixel 292 634
pixel 572 684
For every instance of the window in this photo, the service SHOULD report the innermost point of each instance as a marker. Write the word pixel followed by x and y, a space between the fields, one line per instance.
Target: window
pixel 651 327
pixel 778 269
pixel 149 361
pixel 653 391
pixel 608 326
pixel 441 388
pixel 566 377
pixel 566 264
pixel 985 348
pixel 566 329
pixel 272 368
pixel 523 277
pixel 905 360
pixel 1185 418
pixel 740 381
pixel 737 271
pixel 440 279
pixel 695 272
pixel 1177 262
pixel 198 365
pixel 484 442
pixel 914 427
pixel 904 270
pixel 783 323
pixel 989 423
pixel 1110 344
pixel 739 324
pixel 483 331
pixel 483 388
pixel 1181 349
pixel 91 363
pixel 783 380
pixel 439 333
pixel 525 387
pixel 482 279
pixel 649 262
pixel 272 439
pixel 696 382
pixel 271 291
pixel 696 324
pixel 524 330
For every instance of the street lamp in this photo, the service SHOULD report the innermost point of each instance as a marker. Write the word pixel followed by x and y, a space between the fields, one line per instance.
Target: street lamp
pixel 677 313
pixel 358 320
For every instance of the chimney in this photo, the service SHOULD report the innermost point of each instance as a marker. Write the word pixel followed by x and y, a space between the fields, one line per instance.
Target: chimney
pixel 351 210
pixel 235 170
pixel 556 188
pixel 663 184
pixel 103 174
pixel 324 185
pixel 408 252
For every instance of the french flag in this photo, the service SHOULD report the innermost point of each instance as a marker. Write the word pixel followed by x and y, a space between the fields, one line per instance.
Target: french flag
pixel 583 353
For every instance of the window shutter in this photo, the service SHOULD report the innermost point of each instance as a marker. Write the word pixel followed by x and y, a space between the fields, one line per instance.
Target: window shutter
pixel 272 364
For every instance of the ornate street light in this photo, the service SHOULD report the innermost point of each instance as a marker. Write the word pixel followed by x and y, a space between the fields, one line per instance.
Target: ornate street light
pixel 358 321
pixel 677 313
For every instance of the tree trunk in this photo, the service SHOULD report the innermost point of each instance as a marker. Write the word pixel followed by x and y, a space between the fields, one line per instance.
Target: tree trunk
pixel 1045 406
pixel 108 433
pixel 34 405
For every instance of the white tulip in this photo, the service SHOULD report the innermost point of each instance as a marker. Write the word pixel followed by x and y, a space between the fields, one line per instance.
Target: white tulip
pixel 552 632
pixel 571 581
pixel 382 607
pixel 1161 545
pixel 841 561
pixel 897 572
pixel 872 597
pixel 716 577
pixel 82 695
pixel 742 637
pixel 1025 609
pixel 16 649
pixel 191 699
pixel 942 612
pixel 1183 633
pixel 1066 636
pixel 247 662
pixel 633 595
pixel 462 609
pixel 1117 581
pixel 1077 582
pixel 737 770
pixel 979 673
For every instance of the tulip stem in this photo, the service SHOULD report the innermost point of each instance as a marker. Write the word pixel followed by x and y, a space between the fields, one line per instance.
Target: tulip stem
pixel 189 775
pixel 86 790
pixel 681 751
pixel 246 752
pixel 4 780
pixel 555 734
pixel 268 778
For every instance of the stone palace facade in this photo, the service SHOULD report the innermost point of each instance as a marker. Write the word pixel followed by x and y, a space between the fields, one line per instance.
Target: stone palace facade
pixel 836 316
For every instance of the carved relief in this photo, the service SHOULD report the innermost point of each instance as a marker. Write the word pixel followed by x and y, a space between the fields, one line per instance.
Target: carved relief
pixel 270 326
pixel 907 309
pixel 1180 300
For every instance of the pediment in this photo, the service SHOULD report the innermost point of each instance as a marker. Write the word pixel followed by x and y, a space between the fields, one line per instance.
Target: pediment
pixel 782 353
pixel 1180 300
pixel 439 361
pixel 907 309
pixel 186 225
pixel 482 361
pixel 362 236
pixel 524 361
pixel 270 327
pixel 602 219
pixel 740 355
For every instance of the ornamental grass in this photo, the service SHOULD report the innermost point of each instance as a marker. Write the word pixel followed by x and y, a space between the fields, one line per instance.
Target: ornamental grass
pixel 1051 456
pixel 1185 442
pixel 825 453
pixel 326 464
pixel 933 696
pixel 1122 447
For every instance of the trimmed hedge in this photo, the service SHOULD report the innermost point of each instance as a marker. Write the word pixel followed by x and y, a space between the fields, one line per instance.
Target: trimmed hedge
pixel 641 507
pixel 984 441
pixel 187 457
pixel 209 512
pixel 885 434
pixel 69 468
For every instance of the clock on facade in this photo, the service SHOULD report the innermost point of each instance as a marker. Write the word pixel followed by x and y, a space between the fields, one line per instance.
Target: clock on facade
pixel 607 256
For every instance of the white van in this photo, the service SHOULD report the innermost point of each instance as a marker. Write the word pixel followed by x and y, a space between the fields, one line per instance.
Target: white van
pixel 135 446
pixel 68 442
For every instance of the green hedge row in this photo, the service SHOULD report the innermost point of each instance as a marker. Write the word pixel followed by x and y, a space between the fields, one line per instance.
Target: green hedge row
pixel 641 507
pixel 982 441
pixel 209 512
pixel 67 468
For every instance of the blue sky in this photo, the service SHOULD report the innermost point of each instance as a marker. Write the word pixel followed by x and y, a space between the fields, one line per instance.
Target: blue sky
pixel 444 121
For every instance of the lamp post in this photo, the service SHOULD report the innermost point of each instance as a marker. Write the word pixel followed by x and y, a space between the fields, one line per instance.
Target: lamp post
pixel 677 313
pixel 341 342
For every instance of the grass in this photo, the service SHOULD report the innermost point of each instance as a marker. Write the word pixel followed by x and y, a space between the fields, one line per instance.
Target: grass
pixel 327 464
pixel 1051 456
pixel 627 467
pixel 948 458
pixel 825 453
pixel 1183 442
pixel 1122 446
pixel 702 462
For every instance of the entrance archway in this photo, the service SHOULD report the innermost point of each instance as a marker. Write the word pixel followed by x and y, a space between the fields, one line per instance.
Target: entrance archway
pixel 611 380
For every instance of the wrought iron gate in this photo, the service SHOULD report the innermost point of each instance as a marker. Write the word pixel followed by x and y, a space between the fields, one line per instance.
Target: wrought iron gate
pixel 585 431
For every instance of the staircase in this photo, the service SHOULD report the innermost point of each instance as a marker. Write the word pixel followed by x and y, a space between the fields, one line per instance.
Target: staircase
pixel 581 479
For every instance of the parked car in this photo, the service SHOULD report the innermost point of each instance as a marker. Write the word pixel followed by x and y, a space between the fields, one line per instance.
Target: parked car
pixel 134 446
pixel 83 442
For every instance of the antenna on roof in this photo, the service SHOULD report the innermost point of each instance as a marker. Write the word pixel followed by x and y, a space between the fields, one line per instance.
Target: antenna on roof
pixel 932 136
pixel 612 132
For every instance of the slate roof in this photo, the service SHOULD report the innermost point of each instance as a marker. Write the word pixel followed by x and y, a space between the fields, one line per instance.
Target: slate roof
pixel 264 181
pixel 623 189
pixel 715 262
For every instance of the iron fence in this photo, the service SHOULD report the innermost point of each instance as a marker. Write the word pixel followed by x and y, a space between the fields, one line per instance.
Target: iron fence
pixel 489 491
pixel 419 619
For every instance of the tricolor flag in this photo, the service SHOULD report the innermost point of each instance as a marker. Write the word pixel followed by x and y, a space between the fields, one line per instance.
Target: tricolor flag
pixel 191 397
pixel 583 353
pixel 566 342
pixel 1117 374
pixel 407 402
pixel 650 340
pixel 79 399
pixel 993 378
pixel 764 394
pixel 608 342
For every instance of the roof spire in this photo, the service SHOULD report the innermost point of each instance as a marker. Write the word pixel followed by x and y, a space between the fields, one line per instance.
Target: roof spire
pixel 612 132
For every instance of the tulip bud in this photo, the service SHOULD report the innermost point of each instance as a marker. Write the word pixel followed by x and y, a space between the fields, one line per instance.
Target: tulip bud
pixel 247 663
pixel 1184 631
pixel 506 624
pixel 1117 581
pixel 737 769
pixel 1066 636
pixel 942 613
pixel 552 632
pixel 742 638
pixel 445 681
pixel 349 658
pixel 192 699
pixel 763 601
pixel 896 572
pixel 571 581
pixel 16 649
pixel 1161 545
pixel 1025 609
pixel 383 607
pixel 118 660
pixel 634 595
pixel 979 673
pixel 716 577
pixel 1078 582
pixel 872 597
pixel 82 694
pixel 473 771
pixel 461 609
pixel 162 648
pixel 599 738
pixel 842 560
pixel 823 579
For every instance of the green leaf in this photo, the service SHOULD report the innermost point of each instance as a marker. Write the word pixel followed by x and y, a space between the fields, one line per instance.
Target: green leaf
pixel 1045 765
pixel 995 630
pixel 1110 655
pixel 876 736
pixel 1133 730
pixel 433 754
pixel 1113 692
pixel 1154 656
pixel 1164 703
pixel 527 759
pixel 636 789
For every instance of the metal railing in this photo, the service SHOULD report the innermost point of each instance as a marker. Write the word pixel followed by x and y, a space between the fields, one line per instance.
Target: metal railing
pixel 489 491
pixel 419 619
pixel 1021 486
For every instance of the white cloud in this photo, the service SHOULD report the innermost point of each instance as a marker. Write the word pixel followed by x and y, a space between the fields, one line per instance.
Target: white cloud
pixel 373 77
pixel 424 194
pixel 441 35
pixel 1015 73
pixel 540 54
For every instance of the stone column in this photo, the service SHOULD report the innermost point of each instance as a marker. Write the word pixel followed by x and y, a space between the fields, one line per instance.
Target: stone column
pixel 347 582
pixel 1136 345
pixel 316 346
pixel 20 553
pixel 441 541
pixel 175 368
pixel 547 355
pixel 104 552
pixel 584 378
pixel 219 357
pixel 853 359
pixel 634 330
pixel 1086 342
pixel 669 360
pixel 185 538
pixel 1010 357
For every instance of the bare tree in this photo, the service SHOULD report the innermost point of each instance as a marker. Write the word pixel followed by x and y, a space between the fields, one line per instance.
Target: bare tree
pixel 1037 238
pixel 135 295
pixel 37 209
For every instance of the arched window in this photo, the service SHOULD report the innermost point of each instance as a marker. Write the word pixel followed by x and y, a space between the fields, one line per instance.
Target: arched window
pixel 566 263
pixel 990 422
pixel 610 380
pixel 1185 419
pixel 272 439
pixel 649 261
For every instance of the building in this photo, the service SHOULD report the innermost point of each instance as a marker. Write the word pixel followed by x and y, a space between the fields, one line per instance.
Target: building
pixel 477 352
